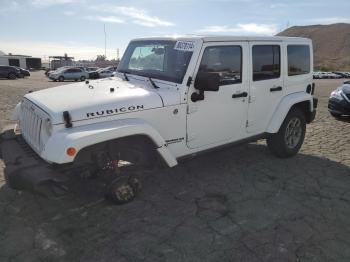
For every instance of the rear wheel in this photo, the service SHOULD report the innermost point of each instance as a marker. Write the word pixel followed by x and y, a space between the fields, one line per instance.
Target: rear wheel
pixel 290 137
pixel 82 78
pixel 12 76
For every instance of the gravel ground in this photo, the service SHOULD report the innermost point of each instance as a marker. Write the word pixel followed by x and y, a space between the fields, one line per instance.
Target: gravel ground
pixel 239 204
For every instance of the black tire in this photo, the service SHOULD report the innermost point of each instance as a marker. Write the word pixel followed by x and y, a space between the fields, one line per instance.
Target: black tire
pixel 12 76
pixel 335 115
pixel 288 141
pixel 123 190
pixel 61 79
pixel 82 78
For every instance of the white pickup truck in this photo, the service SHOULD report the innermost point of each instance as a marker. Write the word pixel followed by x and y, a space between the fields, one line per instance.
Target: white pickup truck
pixel 171 98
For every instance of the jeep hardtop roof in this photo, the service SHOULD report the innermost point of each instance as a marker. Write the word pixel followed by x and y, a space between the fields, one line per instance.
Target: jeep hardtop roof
pixel 212 38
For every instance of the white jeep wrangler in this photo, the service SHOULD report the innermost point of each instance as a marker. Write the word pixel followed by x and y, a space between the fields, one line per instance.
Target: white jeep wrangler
pixel 172 98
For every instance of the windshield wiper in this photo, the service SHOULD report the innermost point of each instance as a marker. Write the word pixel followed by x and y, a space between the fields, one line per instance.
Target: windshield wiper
pixel 153 84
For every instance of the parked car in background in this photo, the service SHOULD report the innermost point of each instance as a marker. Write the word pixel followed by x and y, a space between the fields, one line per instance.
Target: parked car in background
pixel 339 101
pixel 23 72
pixel 93 74
pixel 9 72
pixel 101 73
pixel 317 75
pixel 69 74
pixel 106 72
pixel 50 71
pixel 326 75
pixel 112 68
pixel 344 74
pixel 91 69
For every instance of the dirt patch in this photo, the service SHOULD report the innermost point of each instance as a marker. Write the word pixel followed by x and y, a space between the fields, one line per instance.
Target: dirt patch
pixel 239 204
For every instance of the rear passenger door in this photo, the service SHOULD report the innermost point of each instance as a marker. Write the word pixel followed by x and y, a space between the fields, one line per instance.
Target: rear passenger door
pixel 266 84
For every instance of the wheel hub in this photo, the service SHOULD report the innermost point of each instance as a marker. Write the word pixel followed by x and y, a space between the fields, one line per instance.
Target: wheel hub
pixel 293 133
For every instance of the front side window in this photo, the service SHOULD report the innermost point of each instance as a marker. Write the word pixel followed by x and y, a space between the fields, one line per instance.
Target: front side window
pixel 158 59
pixel 224 60
pixel 266 62
pixel 298 59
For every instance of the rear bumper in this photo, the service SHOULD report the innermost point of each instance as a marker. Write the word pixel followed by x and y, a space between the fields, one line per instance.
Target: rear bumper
pixel 24 169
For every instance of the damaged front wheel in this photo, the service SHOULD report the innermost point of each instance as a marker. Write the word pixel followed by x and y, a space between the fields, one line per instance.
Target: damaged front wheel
pixel 123 189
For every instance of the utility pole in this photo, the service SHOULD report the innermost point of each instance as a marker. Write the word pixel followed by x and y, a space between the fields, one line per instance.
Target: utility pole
pixel 287 25
pixel 104 30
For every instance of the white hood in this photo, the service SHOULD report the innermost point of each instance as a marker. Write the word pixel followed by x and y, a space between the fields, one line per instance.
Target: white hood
pixel 100 98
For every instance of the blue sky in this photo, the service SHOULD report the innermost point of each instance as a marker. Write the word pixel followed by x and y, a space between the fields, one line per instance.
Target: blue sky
pixel 53 27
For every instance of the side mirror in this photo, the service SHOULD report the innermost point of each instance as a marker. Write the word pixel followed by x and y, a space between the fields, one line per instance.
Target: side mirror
pixel 207 81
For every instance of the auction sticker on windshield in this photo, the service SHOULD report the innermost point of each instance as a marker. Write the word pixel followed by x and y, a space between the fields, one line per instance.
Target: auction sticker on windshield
pixel 184 46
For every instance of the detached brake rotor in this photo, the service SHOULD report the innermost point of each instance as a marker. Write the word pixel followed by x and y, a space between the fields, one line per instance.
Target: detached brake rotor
pixel 123 189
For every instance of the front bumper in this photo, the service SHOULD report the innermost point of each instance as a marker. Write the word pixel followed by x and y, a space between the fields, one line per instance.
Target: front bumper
pixel 25 170
pixel 341 107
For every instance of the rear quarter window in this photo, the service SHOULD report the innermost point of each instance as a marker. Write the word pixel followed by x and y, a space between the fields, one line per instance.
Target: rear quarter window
pixel 298 59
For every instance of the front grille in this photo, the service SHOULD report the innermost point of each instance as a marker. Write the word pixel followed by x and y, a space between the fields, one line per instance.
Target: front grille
pixel 31 121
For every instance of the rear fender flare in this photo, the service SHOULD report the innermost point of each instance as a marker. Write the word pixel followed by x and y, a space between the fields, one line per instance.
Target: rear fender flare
pixel 283 108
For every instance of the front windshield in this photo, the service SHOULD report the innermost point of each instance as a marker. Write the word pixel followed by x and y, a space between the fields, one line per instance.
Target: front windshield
pixel 157 59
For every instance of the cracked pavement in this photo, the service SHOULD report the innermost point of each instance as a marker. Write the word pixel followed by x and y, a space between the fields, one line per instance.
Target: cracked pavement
pixel 238 204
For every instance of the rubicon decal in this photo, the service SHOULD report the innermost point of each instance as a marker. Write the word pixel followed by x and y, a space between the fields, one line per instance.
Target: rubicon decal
pixel 119 110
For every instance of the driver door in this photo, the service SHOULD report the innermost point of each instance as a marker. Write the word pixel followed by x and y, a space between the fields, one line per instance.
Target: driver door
pixel 221 116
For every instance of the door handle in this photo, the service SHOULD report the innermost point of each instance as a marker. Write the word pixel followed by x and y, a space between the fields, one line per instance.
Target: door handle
pixel 274 89
pixel 244 94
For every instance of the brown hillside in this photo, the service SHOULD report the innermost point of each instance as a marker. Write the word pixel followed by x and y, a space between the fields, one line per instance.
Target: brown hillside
pixel 331 44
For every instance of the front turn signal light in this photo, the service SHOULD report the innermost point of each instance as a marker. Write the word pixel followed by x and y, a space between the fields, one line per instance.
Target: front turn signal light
pixel 71 151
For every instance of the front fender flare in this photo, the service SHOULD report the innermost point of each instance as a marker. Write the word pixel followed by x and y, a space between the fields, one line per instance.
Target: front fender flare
pixel 283 108
pixel 83 136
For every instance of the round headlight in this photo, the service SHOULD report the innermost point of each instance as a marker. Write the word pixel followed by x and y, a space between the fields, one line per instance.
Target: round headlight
pixel 48 126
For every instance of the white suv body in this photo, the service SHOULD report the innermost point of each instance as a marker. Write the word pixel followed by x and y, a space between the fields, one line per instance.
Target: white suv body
pixel 257 82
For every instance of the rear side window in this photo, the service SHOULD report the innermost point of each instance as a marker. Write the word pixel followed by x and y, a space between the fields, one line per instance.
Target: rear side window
pixel 224 60
pixel 266 62
pixel 298 59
